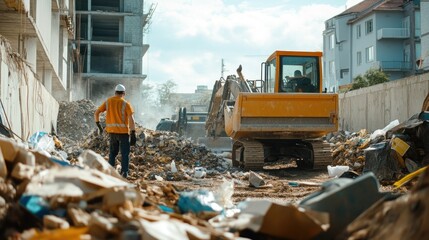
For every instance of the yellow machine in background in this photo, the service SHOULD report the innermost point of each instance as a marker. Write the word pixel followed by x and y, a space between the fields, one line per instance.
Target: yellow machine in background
pixel 278 117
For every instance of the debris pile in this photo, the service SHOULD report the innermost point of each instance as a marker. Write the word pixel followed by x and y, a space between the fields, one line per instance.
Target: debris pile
pixel 42 197
pixel 390 153
pixel 163 155
pixel 405 217
pixel 76 119
pixel 153 156
pixel 348 148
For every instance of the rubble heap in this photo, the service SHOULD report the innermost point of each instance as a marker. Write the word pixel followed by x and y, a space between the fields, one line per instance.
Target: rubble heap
pixel 390 153
pixel 76 119
pixel 41 196
pixel 151 158
pixel 155 153
pixel 348 148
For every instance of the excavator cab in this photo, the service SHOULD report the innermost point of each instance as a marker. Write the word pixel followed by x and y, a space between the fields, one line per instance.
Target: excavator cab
pixel 293 72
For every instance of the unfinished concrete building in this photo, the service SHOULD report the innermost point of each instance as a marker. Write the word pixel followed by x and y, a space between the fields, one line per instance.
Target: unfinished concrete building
pixel 109 36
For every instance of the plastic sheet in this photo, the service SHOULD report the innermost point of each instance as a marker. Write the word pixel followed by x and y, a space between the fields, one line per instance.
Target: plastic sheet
pixel 224 193
pixel 198 201
pixel 379 162
pixel 41 141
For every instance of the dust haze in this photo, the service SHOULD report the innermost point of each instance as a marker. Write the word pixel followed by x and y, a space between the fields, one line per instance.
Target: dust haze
pixel 143 98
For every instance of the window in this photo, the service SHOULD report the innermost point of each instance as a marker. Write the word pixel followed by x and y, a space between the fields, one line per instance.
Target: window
pixel 358 31
pixel 344 73
pixel 299 74
pixel 331 41
pixel 359 58
pixel 369 54
pixel 270 76
pixel 368 26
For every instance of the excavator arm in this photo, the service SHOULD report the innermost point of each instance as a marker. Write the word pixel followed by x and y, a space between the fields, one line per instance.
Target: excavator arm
pixel 225 92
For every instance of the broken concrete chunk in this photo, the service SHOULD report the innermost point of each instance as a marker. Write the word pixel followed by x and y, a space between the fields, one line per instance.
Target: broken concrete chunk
pixel 22 171
pixel 95 160
pixel 54 222
pixel 119 197
pixel 79 217
pixel 25 157
pixel 104 223
pixel 255 179
pixel 9 148
pixel 42 159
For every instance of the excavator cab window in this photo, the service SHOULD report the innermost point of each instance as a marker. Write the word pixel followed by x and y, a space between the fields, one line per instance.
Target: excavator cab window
pixel 299 74
pixel 270 78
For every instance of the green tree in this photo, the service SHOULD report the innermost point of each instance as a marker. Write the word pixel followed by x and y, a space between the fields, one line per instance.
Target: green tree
pixel 371 77
pixel 359 82
pixel 376 76
pixel 164 92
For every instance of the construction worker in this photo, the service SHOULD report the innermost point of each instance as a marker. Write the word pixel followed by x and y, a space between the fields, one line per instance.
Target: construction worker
pixel 119 120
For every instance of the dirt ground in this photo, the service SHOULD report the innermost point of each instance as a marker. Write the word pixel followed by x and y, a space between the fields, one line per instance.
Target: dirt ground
pixel 276 189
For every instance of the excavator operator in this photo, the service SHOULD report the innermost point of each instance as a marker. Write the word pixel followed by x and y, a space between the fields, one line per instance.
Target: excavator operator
pixel 119 120
pixel 298 83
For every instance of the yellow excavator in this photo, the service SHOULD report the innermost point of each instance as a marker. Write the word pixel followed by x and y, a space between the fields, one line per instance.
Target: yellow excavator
pixel 279 117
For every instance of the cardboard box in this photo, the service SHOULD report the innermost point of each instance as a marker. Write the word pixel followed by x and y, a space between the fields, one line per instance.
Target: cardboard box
pixel 285 221
pixel 9 148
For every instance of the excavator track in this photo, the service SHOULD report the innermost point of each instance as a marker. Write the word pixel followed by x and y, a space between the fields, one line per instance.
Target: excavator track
pixel 322 154
pixel 249 155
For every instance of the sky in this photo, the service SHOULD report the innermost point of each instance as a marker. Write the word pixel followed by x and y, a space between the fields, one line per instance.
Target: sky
pixel 189 38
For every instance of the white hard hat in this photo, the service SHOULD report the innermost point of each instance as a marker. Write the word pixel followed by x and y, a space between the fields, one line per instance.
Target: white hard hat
pixel 120 88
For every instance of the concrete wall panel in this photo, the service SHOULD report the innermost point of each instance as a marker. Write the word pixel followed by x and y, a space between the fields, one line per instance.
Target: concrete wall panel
pixel 28 106
pixel 55 40
pixel 383 103
pixel 359 113
pixel 375 107
pixel 419 87
pixel 43 21
pixel 399 101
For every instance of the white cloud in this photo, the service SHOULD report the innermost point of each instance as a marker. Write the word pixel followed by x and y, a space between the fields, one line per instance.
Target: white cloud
pixel 351 3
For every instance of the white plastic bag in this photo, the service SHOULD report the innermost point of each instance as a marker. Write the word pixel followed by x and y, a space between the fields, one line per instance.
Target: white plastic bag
pixel 224 193
pixel 382 132
pixel 336 171
pixel 173 167
pixel 200 172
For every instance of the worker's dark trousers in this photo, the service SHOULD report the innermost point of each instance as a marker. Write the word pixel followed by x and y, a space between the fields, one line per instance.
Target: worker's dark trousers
pixel 123 141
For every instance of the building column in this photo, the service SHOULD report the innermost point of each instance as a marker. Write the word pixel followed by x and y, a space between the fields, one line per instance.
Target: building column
pixel 47 80
pixel 30 48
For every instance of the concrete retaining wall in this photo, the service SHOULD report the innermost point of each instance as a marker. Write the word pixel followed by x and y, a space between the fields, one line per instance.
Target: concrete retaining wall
pixel 27 106
pixel 374 107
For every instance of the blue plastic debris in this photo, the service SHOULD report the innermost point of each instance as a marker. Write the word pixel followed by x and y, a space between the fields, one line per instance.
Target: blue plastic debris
pixel 166 209
pixel 198 201
pixel 39 206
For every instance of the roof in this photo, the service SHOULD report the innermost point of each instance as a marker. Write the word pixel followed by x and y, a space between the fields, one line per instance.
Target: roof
pixel 367 6
pixel 360 7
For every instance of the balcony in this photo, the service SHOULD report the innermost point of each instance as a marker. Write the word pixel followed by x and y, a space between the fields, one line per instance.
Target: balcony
pixel 399 33
pixel 394 65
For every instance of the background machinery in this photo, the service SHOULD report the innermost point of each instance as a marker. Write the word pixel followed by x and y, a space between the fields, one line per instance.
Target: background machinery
pixel 280 117
pixel 188 124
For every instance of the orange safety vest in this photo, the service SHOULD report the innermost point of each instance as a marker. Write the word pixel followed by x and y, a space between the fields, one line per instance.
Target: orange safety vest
pixel 118 112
